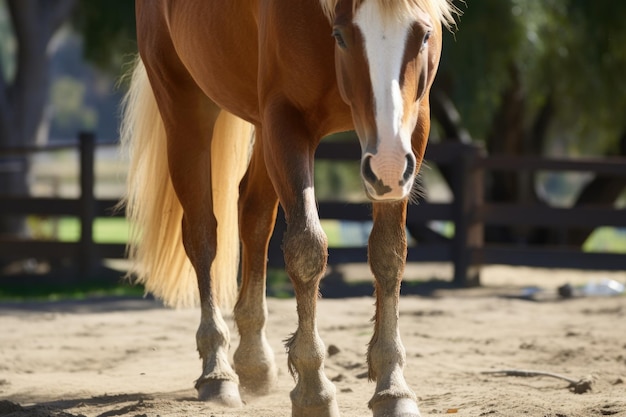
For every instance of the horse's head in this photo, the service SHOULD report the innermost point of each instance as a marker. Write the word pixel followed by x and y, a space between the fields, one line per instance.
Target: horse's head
pixel 386 56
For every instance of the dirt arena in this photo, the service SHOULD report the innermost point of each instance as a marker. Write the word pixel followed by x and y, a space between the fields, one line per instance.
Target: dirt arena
pixel 133 358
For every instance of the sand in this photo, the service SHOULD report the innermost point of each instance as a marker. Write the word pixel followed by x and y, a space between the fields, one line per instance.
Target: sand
pixel 134 358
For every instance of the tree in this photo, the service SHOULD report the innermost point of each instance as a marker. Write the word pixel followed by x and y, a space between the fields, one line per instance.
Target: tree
pixel 32 25
pixel 531 77
pixel 108 30
pixel 24 88
pixel 567 51
pixel 522 76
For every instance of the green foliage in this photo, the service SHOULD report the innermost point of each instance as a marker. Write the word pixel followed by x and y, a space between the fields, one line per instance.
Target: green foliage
pixel 8 44
pixel 474 60
pixel 571 50
pixel 67 100
pixel 108 29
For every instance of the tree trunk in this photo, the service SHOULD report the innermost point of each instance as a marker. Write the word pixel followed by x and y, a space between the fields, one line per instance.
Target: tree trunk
pixel 507 136
pixel 23 95
pixel 444 110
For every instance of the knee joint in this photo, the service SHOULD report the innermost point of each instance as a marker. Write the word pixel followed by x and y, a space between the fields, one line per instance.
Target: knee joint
pixel 306 253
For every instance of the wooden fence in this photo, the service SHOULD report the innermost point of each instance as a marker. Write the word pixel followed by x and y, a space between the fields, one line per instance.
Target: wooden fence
pixel 467 184
pixel 85 252
pixel 469 212
pixel 466 250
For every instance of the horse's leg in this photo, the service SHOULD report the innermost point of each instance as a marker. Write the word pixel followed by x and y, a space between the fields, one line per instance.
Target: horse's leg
pixel 190 130
pixel 289 151
pixel 387 257
pixel 258 203
pixel 386 354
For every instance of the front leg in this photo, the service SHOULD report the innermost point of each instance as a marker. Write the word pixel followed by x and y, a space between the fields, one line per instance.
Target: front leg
pixel 306 251
pixel 386 354
pixel 289 150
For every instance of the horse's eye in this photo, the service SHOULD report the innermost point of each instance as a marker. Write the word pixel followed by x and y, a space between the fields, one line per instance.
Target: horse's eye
pixel 339 38
pixel 426 38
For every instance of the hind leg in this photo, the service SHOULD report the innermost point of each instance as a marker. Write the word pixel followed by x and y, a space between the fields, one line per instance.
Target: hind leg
pixel 189 128
pixel 189 118
pixel 258 203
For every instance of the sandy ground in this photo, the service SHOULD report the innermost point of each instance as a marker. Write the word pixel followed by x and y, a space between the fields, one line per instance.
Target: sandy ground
pixel 133 358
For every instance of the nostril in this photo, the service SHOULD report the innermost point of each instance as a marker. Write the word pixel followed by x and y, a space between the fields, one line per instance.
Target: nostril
pixel 368 173
pixel 409 171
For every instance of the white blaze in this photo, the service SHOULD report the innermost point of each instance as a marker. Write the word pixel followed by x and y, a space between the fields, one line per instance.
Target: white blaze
pixel 384 36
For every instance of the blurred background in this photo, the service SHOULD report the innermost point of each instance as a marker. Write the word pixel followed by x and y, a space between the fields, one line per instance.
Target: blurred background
pixel 517 77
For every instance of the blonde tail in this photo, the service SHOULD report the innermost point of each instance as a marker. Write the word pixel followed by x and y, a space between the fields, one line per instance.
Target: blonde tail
pixel 230 154
pixel 155 247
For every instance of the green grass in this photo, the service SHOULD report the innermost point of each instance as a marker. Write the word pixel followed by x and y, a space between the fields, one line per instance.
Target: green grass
pixel 58 284
pixel 105 230
pixel 606 239
pixel 73 291
pixel 332 228
pixel 116 230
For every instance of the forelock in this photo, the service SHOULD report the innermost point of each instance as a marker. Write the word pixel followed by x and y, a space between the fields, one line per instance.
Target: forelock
pixel 443 11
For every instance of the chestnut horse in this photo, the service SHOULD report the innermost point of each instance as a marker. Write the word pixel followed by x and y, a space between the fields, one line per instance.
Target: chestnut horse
pixel 227 104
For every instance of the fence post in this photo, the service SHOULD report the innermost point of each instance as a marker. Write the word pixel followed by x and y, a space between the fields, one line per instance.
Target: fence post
pixel 87 204
pixel 468 232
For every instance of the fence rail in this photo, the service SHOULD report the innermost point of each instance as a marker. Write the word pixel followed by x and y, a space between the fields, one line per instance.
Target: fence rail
pixel 86 253
pixel 469 212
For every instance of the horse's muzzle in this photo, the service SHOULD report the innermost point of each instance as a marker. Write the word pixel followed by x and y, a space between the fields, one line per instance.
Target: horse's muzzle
pixel 387 178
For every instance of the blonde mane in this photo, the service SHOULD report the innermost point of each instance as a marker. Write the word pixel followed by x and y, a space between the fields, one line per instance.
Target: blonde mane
pixel 441 10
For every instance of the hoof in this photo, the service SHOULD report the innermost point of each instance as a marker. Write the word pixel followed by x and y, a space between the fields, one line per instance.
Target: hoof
pixel 219 391
pixel 396 407
pixel 258 383
pixel 327 410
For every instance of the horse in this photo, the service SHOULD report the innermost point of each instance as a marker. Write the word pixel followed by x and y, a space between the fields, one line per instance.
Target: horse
pixel 227 103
